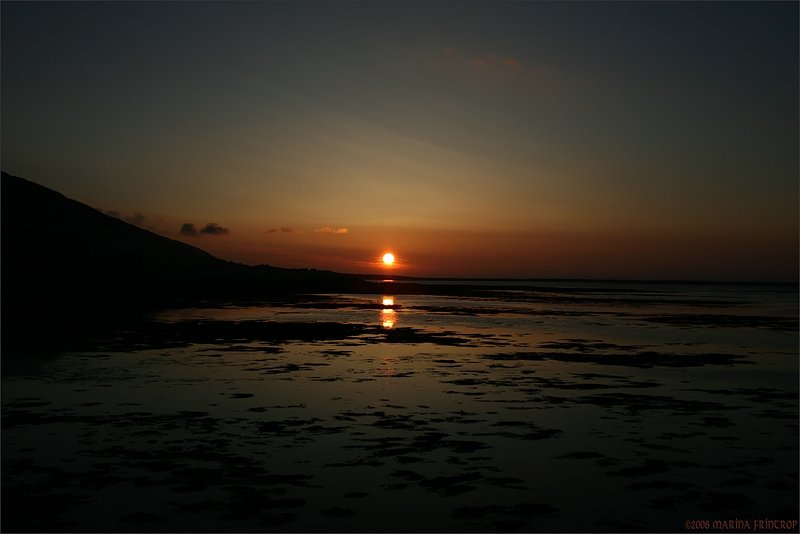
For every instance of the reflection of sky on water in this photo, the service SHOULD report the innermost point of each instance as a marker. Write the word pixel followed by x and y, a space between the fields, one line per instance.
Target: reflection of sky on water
pixel 615 319
pixel 462 434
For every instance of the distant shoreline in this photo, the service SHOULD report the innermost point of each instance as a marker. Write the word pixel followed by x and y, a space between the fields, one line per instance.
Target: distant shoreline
pixel 454 279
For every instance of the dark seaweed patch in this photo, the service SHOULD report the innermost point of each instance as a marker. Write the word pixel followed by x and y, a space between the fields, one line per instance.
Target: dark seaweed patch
pixel 581 455
pixel 503 518
pixel 248 502
pixel 778 414
pixel 635 403
pixel 184 333
pixel 588 345
pixel 717 422
pixel 660 485
pixel 356 494
pixel 777 484
pixel 649 467
pixel 410 459
pixel 285 368
pixel 248 348
pixel 643 360
pixel 613 525
pixel 466 382
pixel 337 353
pixel 445 485
pixel 23 507
pixel 142 517
pixel 756 395
pixel 726 502
pixel 411 335
pixel 779 324
pixel 241 336
pixel 620 383
pixel 289 427
pixel 507 482
pixel 337 512
pixel 477 512
pixel 531 509
pixel 27 403
pixel 521 430
pixel 679 435
pixel 277 519
pixel 739 482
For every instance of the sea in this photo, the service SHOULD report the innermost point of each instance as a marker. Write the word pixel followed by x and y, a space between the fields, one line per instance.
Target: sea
pixel 514 407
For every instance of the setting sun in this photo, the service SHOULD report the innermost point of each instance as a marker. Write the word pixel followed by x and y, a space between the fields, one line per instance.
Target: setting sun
pixel 388 258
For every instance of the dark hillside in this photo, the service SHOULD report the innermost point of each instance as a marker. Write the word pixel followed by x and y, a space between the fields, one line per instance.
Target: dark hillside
pixel 62 259
pixel 54 247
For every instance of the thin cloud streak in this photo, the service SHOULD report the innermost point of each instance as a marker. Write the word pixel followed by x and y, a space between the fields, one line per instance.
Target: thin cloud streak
pixel 214 229
pixel 330 230
pixel 189 229
pixel 490 63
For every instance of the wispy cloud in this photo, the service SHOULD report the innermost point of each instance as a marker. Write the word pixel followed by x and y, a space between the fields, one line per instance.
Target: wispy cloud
pixel 214 229
pixel 490 63
pixel 330 230
pixel 324 230
pixel 493 61
pixel 189 229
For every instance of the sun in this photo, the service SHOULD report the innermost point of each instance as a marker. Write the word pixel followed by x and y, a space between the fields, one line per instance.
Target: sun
pixel 388 258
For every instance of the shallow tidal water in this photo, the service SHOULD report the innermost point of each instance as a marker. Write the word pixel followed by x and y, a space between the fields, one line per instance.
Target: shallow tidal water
pixel 594 409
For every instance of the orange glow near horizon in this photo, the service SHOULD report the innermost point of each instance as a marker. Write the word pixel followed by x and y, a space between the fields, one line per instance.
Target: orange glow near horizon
pixel 430 252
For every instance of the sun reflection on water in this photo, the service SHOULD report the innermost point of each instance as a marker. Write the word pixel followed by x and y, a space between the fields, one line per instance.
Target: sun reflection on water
pixel 388 314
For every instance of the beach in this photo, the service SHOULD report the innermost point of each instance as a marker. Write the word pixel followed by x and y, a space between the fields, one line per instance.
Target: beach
pixel 558 408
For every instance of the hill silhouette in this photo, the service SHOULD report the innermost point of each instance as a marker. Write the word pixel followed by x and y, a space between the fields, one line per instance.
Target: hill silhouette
pixel 45 231
pixel 61 257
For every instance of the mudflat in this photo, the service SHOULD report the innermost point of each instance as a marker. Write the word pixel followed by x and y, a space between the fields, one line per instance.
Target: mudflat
pixel 632 408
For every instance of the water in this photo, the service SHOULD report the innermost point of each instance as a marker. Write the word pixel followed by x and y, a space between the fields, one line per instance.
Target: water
pixel 600 409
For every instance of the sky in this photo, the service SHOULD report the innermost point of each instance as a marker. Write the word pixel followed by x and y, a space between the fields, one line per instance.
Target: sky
pixel 640 140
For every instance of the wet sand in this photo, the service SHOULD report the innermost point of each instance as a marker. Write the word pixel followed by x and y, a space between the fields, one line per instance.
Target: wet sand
pixel 508 411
